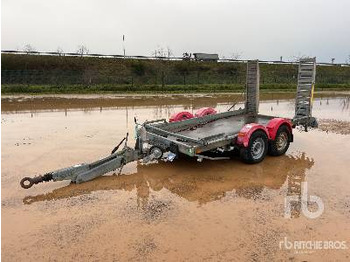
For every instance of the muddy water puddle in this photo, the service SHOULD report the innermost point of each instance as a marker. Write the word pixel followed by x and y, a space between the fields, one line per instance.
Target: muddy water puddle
pixel 185 210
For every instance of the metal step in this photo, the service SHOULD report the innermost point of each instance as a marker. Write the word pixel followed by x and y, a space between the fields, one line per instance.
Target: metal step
pixel 306 69
pixel 305 80
pixel 306 65
pixel 303 91
pixel 304 99
pixel 306 75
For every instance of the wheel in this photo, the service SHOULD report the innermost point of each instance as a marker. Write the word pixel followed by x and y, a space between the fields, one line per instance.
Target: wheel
pixel 257 148
pixel 156 151
pixel 280 145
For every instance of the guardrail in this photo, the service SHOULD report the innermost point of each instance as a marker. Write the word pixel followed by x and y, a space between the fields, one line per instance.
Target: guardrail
pixel 174 58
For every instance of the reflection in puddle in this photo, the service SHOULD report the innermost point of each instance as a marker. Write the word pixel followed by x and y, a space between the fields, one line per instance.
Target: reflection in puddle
pixel 202 182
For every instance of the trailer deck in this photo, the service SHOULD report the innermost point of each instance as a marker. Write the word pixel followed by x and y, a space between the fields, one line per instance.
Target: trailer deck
pixel 226 126
pixel 197 135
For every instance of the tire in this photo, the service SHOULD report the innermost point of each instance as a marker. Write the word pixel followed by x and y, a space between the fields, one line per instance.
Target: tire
pixel 280 145
pixel 257 148
pixel 157 151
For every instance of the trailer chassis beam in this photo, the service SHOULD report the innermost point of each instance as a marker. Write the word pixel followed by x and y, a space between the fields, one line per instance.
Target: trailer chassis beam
pixel 85 172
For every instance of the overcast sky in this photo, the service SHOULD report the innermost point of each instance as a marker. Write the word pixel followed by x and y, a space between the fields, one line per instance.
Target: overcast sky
pixel 263 29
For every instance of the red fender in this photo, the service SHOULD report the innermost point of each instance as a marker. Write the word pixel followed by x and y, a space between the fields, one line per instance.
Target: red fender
pixel 247 131
pixel 275 123
pixel 180 116
pixel 204 111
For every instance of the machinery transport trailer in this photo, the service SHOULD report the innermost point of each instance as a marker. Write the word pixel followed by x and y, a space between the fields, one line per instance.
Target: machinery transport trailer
pixel 207 134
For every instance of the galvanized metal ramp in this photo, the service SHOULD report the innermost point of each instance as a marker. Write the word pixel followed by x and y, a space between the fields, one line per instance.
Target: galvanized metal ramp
pixel 252 87
pixel 304 96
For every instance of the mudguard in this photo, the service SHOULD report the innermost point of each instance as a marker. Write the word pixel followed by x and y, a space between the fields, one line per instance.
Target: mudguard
pixel 275 123
pixel 246 132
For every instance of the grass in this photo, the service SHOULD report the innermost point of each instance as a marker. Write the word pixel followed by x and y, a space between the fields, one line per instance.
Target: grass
pixel 205 88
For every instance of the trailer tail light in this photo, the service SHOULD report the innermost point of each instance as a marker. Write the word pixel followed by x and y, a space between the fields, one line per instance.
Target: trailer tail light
pixel 240 138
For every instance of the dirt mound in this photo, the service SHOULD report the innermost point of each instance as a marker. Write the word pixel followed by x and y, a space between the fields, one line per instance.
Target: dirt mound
pixel 334 126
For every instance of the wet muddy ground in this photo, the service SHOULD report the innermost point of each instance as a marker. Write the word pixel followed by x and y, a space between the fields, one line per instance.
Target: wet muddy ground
pixel 185 210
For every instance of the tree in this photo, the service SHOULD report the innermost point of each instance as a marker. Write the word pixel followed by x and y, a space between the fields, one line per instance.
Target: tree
pixel 297 57
pixel 159 52
pixel 236 55
pixel 138 68
pixel 82 50
pixel 162 52
pixel 28 48
pixel 163 66
pixel 169 52
pixel 59 51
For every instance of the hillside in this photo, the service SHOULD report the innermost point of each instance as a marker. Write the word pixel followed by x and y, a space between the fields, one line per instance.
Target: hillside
pixel 67 74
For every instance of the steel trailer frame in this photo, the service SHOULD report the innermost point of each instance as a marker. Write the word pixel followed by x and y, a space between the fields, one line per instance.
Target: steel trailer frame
pixel 194 137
